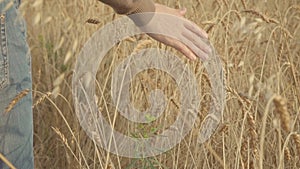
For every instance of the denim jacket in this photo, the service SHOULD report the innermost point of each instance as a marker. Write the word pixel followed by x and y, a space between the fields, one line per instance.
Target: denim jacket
pixel 15 77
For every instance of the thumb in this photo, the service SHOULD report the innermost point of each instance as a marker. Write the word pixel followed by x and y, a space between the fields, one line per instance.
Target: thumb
pixel 182 11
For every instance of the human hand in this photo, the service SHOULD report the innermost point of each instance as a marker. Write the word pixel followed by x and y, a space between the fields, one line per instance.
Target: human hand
pixel 185 36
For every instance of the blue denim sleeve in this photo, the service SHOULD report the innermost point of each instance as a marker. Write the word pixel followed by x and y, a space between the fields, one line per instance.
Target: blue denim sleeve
pixel 16 126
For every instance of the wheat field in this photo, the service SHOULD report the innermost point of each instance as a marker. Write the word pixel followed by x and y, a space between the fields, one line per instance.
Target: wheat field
pixel 259 44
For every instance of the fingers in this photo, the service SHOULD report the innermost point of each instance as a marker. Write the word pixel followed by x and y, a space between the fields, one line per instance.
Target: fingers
pixel 176 44
pixel 182 12
pixel 187 48
pixel 195 29
pixel 197 41
pixel 183 49
pixel 198 46
pixel 191 40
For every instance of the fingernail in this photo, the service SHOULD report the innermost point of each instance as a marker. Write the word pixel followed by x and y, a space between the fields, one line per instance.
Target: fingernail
pixel 183 10
pixel 208 50
pixel 204 57
pixel 194 57
pixel 206 35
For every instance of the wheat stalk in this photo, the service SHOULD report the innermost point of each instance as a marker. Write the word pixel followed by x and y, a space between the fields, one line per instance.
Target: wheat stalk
pixel 246 107
pixel 8 163
pixel 40 100
pixel 142 45
pixel 262 16
pixel 226 3
pixel 17 98
pixel 244 4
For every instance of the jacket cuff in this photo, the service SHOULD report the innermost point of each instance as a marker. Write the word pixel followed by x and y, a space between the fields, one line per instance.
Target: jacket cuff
pixel 146 8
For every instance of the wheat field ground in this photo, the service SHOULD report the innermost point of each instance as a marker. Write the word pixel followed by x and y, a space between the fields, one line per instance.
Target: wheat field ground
pixel 259 44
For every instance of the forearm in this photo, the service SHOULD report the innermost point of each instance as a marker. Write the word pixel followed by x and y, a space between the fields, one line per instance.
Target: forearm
pixel 130 6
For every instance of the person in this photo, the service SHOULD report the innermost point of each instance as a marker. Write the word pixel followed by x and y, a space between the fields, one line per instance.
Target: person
pixel 129 7
pixel 16 122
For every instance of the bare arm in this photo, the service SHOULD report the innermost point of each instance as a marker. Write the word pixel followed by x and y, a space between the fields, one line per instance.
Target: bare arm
pixel 130 6
pixel 194 35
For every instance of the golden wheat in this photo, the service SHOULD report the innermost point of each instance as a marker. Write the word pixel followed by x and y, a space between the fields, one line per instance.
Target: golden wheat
pixel 141 45
pixel 262 16
pixel 8 163
pixel 281 109
pixel 246 36
pixel 15 100
pixel 40 100
pixel 244 4
pixel 287 154
pixel 93 21
pixel 296 138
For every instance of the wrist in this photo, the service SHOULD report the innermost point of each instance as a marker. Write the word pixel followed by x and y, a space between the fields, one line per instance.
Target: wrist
pixel 143 13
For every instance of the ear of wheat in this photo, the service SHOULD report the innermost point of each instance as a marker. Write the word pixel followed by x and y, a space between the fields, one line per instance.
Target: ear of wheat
pixel 296 138
pixel 93 21
pixel 13 103
pixel 282 111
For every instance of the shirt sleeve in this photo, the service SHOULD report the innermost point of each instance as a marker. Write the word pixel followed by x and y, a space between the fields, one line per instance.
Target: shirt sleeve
pixel 128 7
